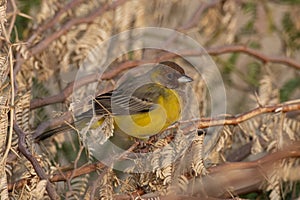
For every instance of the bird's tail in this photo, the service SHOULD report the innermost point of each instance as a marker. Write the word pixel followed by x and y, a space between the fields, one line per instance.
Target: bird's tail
pixel 66 127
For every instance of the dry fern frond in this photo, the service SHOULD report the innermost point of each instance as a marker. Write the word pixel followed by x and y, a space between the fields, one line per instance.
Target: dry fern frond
pixel 250 128
pixel 3 68
pixel 164 170
pixel 22 111
pixel 25 193
pixel 24 77
pixel 197 152
pixel 268 94
pixel 210 22
pixel 273 183
pixel 47 10
pixel 229 20
pixel 291 128
pixel 129 184
pixel 106 187
pixel 4 103
pixel 2 14
pixel 79 187
pixel 3 184
pixel 166 13
pixel 224 141
pixel 72 48
pixel 38 192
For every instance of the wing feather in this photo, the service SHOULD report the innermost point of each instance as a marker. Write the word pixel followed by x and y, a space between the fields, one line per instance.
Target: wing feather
pixel 118 102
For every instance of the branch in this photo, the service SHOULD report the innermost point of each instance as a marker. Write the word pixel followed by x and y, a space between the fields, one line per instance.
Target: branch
pixel 234 120
pixel 214 51
pixel 38 169
pixel 86 169
pixel 67 91
pixel 202 123
pixel 254 53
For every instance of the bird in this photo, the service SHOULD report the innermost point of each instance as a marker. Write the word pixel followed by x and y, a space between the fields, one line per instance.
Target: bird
pixel 140 107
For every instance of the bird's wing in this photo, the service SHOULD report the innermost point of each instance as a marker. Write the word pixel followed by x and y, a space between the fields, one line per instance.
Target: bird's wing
pixel 123 102
pixel 116 103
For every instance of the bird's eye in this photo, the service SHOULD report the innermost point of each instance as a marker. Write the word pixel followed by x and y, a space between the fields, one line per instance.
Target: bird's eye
pixel 170 76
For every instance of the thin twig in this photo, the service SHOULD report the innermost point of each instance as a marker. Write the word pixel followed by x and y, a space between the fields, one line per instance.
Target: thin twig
pixel 75 166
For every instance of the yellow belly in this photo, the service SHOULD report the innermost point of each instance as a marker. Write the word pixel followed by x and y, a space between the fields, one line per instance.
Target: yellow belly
pixel 147 124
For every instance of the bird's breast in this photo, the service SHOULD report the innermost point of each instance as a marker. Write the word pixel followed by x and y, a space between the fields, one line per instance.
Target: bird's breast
pixel 167 110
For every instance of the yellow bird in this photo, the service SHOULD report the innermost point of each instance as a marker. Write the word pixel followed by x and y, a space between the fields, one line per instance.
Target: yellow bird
pixel 140 107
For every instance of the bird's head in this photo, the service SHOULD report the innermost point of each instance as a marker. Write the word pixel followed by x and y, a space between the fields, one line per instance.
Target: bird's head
pixel 169 75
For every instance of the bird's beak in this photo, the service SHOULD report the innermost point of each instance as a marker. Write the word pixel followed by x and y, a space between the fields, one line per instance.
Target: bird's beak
pixel 184 79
